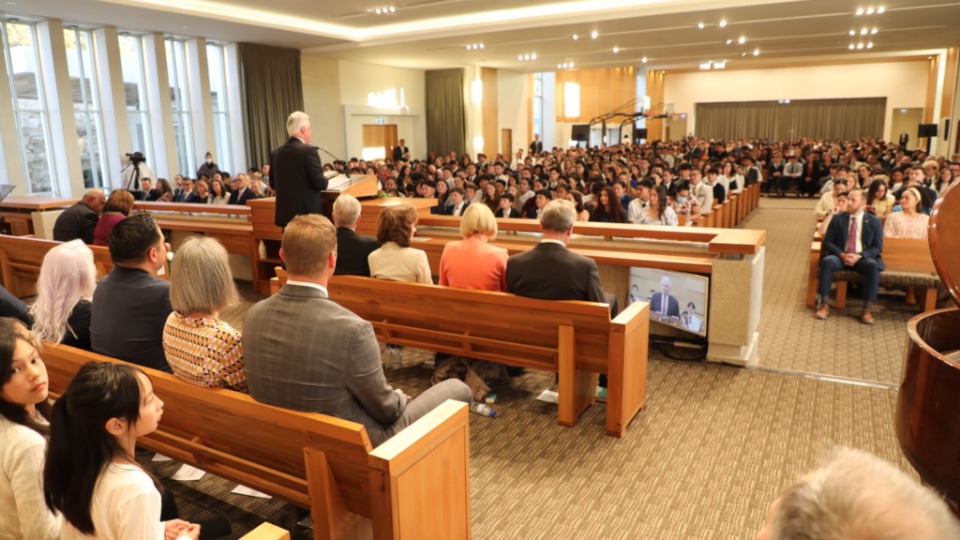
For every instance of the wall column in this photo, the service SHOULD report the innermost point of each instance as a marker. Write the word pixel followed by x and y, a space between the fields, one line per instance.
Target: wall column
pixel 113 101
pixel 164 159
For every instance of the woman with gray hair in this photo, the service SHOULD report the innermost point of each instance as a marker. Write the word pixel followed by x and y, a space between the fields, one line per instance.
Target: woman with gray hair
pixel 201 348
pixel 68 277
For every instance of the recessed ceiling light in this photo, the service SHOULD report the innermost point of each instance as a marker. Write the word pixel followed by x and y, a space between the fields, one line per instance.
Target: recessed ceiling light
pixel 870 45
pixel 723 23
pixel 616 50
pixel 594 34
pixel 852 46
pixel 533 56
pixel 756 52
pixel 859 45
pixel 576 37
pixel 700 26
pixel 859 11
pixel 880 10
pixel 742 40
pixel 874 31
pixel 863 31
pixel 853 32
pixel 644 59
pixel 869 11
pixel 729 41
pixel 743 54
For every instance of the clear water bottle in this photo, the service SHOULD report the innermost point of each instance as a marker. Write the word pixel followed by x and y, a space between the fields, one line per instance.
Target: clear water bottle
pixel 483 410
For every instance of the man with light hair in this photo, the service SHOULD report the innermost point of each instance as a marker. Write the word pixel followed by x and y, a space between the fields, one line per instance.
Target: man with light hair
pixel 352 248
pixel 856 495
pixel 550 271
pixel 306 353
pixel 296 173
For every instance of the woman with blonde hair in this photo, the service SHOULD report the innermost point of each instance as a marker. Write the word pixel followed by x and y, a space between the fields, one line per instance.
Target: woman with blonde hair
pixel 201 348
pixel 61 313
pixel 395 260
pixel 472 263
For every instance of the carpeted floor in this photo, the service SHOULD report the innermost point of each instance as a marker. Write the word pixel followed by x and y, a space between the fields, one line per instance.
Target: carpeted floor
pixel 713 448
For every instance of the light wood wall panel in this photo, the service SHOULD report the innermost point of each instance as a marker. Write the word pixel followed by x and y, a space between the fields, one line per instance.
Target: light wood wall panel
pixel 601 91
pixel 655 80
pixel 949 81
pixel 491 112
pixel 931 89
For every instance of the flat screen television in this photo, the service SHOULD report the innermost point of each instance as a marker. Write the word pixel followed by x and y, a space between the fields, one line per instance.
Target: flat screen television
pixel 580 132
pixel 676 299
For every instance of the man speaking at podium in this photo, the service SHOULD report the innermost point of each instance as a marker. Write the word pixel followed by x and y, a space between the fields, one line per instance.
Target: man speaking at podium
pixel 296 173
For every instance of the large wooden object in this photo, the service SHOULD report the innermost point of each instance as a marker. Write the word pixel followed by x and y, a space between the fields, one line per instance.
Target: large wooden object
pixel 21 258
pixel 27 215
pixel 415 485
pixel 577 340
pixel 927 418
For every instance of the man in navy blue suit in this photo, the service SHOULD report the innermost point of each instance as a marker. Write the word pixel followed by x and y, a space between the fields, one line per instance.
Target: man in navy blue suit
pixel 664 307
pixel 854 241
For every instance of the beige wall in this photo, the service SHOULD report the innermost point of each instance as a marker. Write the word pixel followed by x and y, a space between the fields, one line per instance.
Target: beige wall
pixel 321 100
pixel 904 84
pixel 513 95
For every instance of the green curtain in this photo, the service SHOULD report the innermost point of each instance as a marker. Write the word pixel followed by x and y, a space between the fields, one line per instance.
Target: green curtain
pixel 271 88
pixel 446 117
pixel 773 120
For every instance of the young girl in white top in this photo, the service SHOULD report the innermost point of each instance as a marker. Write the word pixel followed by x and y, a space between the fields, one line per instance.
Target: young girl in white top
pixel 22 427
pixel 91 476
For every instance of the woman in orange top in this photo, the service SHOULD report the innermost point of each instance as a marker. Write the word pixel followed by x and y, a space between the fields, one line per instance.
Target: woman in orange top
pixel 472 263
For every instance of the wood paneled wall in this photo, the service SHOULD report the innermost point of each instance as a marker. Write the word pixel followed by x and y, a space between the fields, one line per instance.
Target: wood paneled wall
pixel 601 91
pixel 491 112
pixel 655 81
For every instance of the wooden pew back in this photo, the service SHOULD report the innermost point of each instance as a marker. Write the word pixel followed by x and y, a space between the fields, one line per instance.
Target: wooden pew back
pixel 22 256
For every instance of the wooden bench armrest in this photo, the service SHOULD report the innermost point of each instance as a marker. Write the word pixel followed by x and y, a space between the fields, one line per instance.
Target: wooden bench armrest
pixel 627 367
pixel 403 449
pixel 267 531
pixel 631 312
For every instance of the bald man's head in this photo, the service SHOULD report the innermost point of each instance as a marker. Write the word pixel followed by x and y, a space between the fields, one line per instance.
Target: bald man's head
pixel 94 199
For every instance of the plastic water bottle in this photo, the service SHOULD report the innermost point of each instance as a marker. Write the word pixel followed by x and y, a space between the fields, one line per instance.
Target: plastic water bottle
pixel 483 410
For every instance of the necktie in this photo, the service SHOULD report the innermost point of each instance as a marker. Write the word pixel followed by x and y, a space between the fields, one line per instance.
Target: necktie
pixel 663 305
pixel 852 240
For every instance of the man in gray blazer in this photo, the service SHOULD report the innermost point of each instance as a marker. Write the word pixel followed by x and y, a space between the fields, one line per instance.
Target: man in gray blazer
pixel 305 352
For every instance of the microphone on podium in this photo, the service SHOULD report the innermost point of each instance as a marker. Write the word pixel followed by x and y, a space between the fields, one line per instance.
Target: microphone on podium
pixel 335 158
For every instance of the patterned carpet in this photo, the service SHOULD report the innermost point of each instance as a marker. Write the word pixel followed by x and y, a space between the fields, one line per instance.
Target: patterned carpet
pixel 714 447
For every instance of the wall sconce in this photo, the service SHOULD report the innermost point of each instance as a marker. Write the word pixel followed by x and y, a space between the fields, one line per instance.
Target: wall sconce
pixel 476 91
pixel 478 143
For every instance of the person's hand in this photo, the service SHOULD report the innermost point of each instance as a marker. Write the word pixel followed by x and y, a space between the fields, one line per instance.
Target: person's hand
pixel 191 533
pixel 173 528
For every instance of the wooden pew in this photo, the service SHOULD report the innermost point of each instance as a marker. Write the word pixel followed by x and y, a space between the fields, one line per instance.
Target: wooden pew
pixel 22 256
pixel 908 264
pixel 415 485
pixel 574 339
pixel 230 224
pixel 267 531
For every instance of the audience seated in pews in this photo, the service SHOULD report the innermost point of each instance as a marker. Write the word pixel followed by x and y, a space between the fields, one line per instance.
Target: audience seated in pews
pixel 853 241
pixel 68 278
pixel 131 305
pixel 827 204
pixel 24 411
pixel 80 220
pixel 242 190
pixel 857 495
pixel 552 272
pixel 218 193
pixel 199 347
pixel 353 250
pixel 305 352
pixel 116 209
pixel 879 199
pixel 472 263
pixel 395 260
pixel 609 208
pixel 201 193
pixel 164 194
pixel 91 475
pixel 456 203
pixel 911 221
pixel 149 193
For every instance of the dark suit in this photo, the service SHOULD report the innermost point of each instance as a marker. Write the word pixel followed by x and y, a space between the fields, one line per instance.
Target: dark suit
pixel 297 176
pixel 352 252
pixel 304 352
pixel 130 309
pixel 448 210
pixel 510 213
pixel 241 196
pixel 834 244
pixel 399 152
pixel 656 305
pixel 536 147
pixel 78 221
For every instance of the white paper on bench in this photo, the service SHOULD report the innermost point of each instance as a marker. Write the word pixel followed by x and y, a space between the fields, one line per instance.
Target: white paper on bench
pixel 250 492
pixel 549 396
pixel 158 458
pixel 188 474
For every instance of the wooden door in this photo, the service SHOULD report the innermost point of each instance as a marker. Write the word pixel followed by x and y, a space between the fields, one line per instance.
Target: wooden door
pixel 379 136
pixel 506 143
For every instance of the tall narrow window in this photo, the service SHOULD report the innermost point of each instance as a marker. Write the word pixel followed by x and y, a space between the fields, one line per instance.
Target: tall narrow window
pixel 86 106
pixel 180 104
pixel 538 104
pixel 216 61
pixel 135 95
pixel 29 107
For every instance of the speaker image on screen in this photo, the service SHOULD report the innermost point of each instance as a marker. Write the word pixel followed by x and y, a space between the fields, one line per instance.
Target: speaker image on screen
pixel 927 130
pixel 580 132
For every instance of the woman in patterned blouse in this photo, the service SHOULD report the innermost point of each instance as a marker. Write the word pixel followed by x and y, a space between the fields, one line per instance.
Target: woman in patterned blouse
pixel 201 348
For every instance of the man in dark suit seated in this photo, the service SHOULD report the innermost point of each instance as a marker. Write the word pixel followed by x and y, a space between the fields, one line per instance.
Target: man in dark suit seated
pixel 506 209
pixel 853 241
pixel 241 192
pixel 296 173
pixel 552 272
pixel 457 204
pixel 664 307
pixel 80 220
pixel 352 248
pixel 304 352
pixel 131 305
